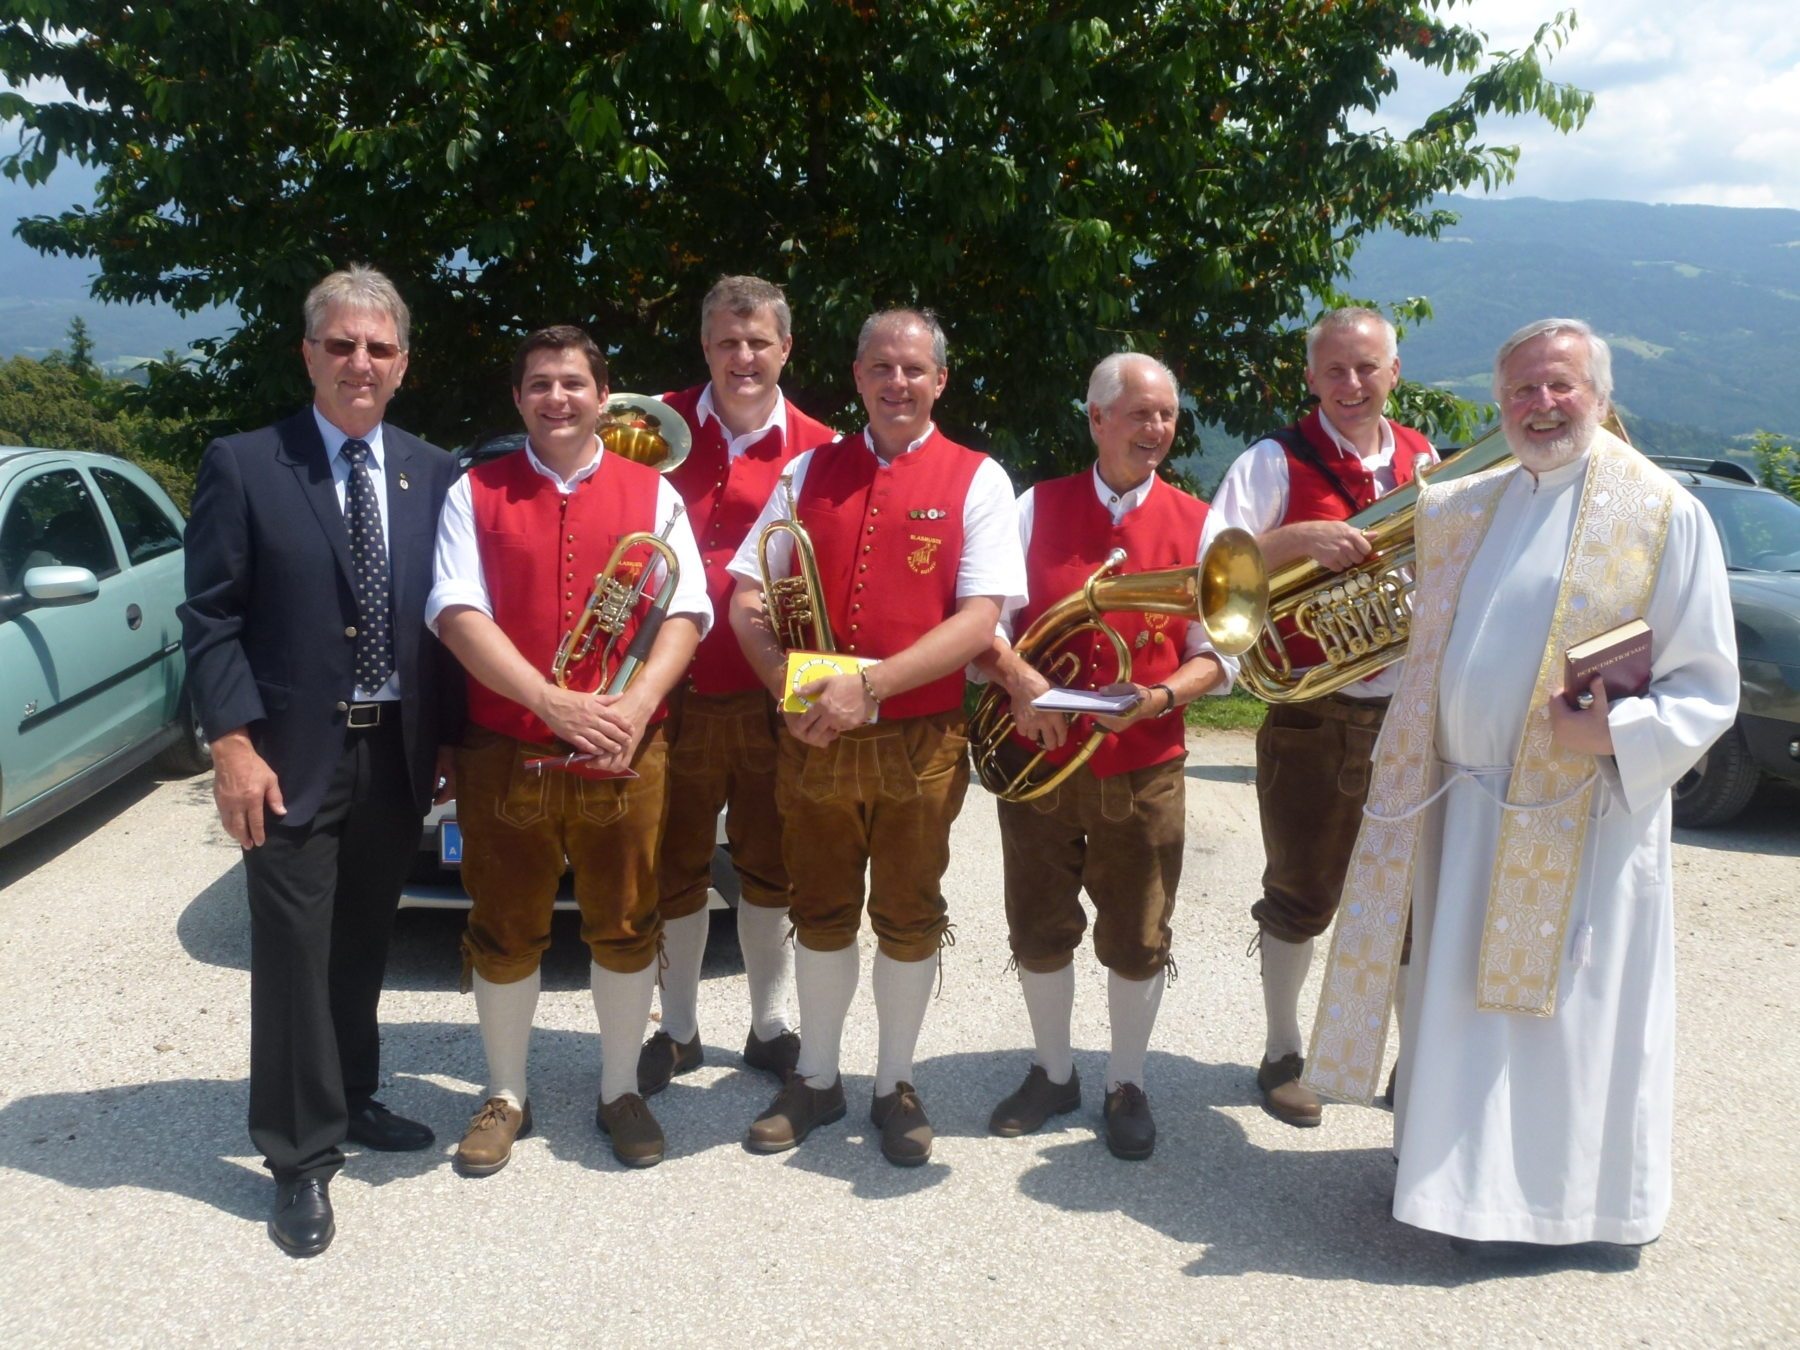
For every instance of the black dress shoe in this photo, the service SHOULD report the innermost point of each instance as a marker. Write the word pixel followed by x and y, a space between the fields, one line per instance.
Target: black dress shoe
pixel 374 1126
pixel 301 1221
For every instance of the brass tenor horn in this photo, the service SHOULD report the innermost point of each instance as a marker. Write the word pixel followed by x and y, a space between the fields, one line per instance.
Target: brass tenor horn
pixel 1360 617
pixel 794 605
pixel 645 429
pixel 1227 593
pixel 611 604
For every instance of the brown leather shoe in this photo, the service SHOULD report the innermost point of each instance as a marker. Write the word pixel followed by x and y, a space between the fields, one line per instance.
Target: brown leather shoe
pixel 1284 1096
pixel 796 1112
pixel 779 1055
pixel 1035 1102
pixel 486 1145
pixel 905 1133
pixel 662 1058
pixel 637 1140
pixel 1130 1131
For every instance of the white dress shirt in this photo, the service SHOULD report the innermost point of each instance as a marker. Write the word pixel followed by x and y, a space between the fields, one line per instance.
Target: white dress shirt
pixel 334 439
pixel 458 575
pixel 735 446
pixel 991 563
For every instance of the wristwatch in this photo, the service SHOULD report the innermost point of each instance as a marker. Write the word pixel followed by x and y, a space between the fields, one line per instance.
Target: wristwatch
pixel 1171 693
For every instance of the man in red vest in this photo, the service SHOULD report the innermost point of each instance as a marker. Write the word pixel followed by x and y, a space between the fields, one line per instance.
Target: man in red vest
pixel 917 550
pixel 519 544
pixel 1294 490
pixel 722 725
pixel 1117 826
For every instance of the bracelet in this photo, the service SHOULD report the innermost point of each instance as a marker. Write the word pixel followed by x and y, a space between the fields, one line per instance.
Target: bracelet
pixel 869 689
pixel 1171 693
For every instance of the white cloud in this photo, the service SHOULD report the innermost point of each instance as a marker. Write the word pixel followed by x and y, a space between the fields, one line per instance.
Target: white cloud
pixel 1695 102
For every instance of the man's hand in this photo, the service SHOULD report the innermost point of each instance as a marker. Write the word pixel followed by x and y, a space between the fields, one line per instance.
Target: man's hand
pixel 1583 730
pixel 1332 544
pixel 632 712
pixel 446 775
pixel 1049 729
pixel 839 703
pixel 1149 703
pixel 583 721
pixel 243 786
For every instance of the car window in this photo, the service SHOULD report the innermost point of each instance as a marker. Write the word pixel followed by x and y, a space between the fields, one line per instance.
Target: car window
pixel 146 528
pixel 1760 531
pixel 53 521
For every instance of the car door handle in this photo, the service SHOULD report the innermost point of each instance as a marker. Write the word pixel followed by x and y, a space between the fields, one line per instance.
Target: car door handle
pixel 134 617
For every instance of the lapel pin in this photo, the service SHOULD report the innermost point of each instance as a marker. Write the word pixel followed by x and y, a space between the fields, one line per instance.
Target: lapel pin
pixel 403 483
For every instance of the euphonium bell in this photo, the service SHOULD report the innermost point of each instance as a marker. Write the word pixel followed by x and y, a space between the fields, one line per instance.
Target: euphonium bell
pixel 645 429
pixel 1227 593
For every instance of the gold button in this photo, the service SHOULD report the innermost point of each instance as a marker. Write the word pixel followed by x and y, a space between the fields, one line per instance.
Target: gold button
pixel 862 567
pixel 854 627
pixel 859 585
pixel 856 606
pixel 570 558
pixel 874 510
pixel 871 529
pixel 866 548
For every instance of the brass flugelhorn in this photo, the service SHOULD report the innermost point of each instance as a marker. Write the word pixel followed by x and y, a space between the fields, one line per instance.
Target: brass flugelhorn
pixel 611 604
pixel 1227 593
pixel 794 606
pixel 647 430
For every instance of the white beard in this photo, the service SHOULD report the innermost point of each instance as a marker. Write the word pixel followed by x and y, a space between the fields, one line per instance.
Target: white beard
pixel 1565 449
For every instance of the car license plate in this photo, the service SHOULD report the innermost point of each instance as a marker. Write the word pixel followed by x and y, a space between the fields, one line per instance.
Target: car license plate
pixel 449 843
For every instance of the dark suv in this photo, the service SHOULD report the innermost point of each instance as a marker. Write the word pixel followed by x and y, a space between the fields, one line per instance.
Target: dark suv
pixel 1760 531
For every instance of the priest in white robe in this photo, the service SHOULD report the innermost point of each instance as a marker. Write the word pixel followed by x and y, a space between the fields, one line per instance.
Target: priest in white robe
pixel 1536 1081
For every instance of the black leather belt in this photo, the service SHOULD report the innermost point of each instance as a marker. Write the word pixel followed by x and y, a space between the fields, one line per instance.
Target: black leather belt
pixel 361 716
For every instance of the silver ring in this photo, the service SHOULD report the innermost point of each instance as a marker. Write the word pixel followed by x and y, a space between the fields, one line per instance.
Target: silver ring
pixel 1585 699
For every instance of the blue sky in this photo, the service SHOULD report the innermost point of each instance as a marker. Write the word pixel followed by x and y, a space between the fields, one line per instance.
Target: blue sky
pixel 1698 101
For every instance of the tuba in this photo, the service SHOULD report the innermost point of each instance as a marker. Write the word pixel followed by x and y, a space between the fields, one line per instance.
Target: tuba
pixel 1227 592
pixel 646 430
pixel 794 605
pixel 1360 617
pixel 612 603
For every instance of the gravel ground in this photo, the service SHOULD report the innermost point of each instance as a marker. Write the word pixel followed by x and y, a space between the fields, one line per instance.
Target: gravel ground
pixel 133 1211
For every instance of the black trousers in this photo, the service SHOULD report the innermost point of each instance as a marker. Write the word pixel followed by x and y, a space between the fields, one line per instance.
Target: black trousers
pixel 322 900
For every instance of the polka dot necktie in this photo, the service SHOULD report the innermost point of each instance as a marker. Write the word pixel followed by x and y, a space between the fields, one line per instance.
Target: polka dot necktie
pixel 368 554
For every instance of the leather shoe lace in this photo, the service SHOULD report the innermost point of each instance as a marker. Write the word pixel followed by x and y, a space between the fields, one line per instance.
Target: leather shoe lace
pixel 637 1140
pixel 301 1222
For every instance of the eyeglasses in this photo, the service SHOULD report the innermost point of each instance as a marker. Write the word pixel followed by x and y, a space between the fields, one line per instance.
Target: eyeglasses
pixel 1525 393
pixel 339 346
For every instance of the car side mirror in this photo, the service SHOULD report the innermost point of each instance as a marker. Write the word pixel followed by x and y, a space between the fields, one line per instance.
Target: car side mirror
pixel 61 585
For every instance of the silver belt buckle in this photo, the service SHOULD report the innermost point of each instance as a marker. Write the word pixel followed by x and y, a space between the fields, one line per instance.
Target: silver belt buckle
pixel 364 715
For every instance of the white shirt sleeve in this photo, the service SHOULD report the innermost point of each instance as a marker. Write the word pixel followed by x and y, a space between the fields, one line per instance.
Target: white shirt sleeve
pixel 1026 508
pixel 992 561
pixel 1254 493
pixel 456 560
pixel 744 562
pixel 690 588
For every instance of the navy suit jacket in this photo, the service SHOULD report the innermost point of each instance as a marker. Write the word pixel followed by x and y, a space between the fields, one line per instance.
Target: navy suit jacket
pixel 269 602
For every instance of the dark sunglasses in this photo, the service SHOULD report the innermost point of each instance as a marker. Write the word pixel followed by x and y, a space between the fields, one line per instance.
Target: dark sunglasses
pixel 378 351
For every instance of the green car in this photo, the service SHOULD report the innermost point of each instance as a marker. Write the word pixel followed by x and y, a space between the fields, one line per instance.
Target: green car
pixel 1760 532
pixel 91 668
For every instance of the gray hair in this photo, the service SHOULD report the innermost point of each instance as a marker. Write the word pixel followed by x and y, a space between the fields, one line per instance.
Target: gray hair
pixel 1599 354
pixel 1347 318
pixel 1107 384
pixel 357 287
pixel 743 296
pixel 925 318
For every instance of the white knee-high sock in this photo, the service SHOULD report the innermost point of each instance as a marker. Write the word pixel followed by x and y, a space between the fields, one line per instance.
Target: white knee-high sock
pixel 505 1012
pixel 1132 1005
pixel 769 964
pixel 902 994
pixel 622 1007
pixel 684 948
pixel 1284 967
pixel 824 985
pixel 1050 1003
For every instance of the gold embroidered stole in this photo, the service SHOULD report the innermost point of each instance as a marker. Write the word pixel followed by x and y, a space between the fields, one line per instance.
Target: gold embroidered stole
pixel 1614 553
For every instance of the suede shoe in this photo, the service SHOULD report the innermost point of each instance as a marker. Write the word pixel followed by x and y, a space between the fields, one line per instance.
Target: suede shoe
pixel 795 1113
pixel 637 1140
pixel 301 1222
pixel 1130 1132
pixel 487 1144
pixel 1035 1102
pixel 1284 1096
pixel 374 1126
pixel 662 1058
pixel 779 1055
pixel 905 1133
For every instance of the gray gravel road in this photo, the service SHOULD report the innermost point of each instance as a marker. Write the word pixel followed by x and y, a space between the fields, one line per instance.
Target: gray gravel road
pixel 131 1210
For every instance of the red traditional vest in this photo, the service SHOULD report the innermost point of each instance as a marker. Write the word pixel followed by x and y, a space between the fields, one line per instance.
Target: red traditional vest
pixel 539 553
pixel 723 499
pixel 1071 535
pixel 1311 496
pixel 889 538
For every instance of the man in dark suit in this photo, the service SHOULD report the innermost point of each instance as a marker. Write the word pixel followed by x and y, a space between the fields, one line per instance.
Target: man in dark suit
pixel 308 564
